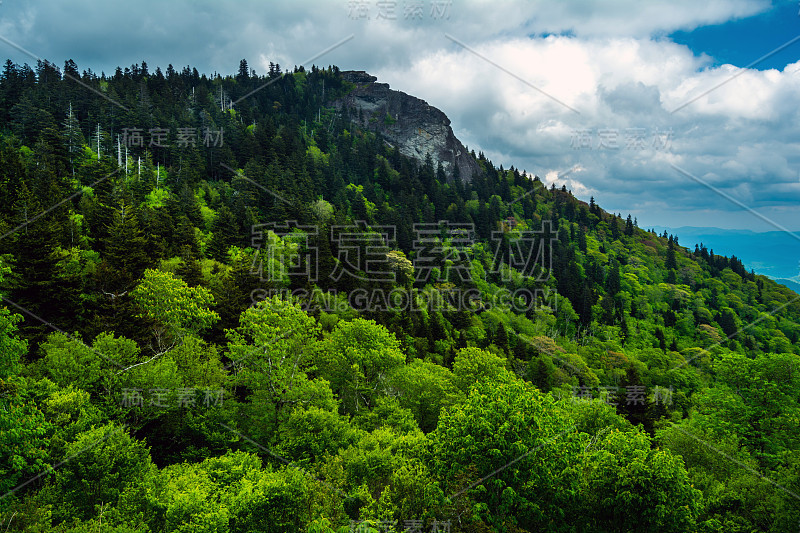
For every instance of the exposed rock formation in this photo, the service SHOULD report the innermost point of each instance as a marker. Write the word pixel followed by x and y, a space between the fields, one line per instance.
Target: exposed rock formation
pixel 407 122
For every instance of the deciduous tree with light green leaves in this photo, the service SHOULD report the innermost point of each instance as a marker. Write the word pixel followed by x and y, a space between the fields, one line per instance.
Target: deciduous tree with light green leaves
pixel 506 453
pixel 472 365
pixel 357 360
pixel 11 347
pixel 630 486
pixel 173 308
pixel 424 388
pixel 103 461
pixel 272 352
pixel 23 427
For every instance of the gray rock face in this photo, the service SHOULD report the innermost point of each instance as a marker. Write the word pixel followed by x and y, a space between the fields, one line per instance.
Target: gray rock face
pixel 407 122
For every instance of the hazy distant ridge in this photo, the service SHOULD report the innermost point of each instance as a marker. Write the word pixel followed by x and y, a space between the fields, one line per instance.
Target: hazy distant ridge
pixel 773 253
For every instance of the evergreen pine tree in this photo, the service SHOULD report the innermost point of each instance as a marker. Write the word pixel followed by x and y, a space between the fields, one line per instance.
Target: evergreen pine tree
pixel 225 232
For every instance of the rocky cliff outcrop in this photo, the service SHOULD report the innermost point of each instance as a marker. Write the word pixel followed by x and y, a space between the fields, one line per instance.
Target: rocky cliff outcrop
pixel 407 122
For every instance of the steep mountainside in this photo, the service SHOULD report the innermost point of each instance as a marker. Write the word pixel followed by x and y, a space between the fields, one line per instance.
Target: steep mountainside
pixel 229 305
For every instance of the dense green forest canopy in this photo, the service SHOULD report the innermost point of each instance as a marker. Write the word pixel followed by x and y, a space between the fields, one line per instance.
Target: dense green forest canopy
pixel 227 307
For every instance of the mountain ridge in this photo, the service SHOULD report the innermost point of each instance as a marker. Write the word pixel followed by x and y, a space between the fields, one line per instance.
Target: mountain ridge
pixel 368 322
pixel 772 253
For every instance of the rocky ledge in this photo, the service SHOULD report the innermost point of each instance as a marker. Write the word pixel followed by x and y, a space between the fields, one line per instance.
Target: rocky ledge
pixel 407 122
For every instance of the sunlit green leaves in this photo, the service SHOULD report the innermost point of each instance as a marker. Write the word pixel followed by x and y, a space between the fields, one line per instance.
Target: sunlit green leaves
pixel 357 360
pixel 627 485
pixel 174 307
pixel 509 448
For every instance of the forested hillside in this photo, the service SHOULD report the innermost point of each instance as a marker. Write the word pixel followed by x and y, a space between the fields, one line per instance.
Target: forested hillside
pixel 227 306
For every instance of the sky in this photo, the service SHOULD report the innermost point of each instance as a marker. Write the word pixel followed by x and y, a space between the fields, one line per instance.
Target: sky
pixel 681 113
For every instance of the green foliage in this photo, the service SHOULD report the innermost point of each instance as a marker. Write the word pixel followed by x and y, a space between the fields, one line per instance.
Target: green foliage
pixel 229 493
pixel 71 412
pixel 23 443
pixel 628 485
pixel 357 359
pixel 23 427
pixel 511 435
pixel 103 462
pixel 310 433
pixel 158 268
pixel 596 417
pixel 12 348
pixel 425 389
pixel 387 411
pixel 412 492
pixel 199 363
pixel 472 365
pixel 271 351
pixel 71 362
pixel 175 308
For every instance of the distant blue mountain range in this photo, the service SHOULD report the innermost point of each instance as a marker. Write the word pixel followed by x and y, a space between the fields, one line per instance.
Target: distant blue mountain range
pixel 789 283
pixel 773 253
